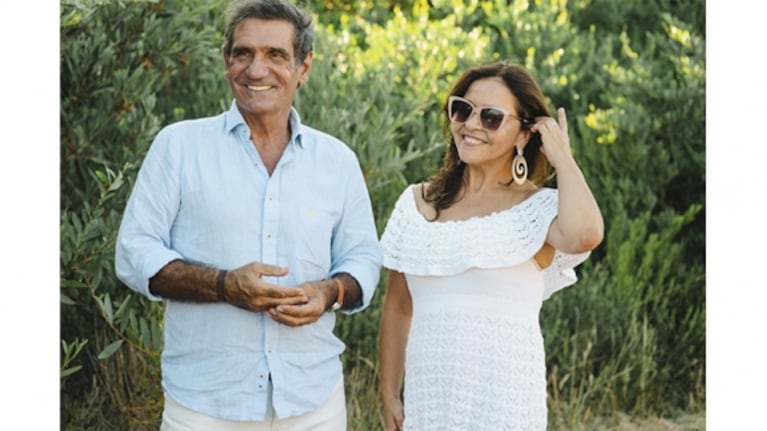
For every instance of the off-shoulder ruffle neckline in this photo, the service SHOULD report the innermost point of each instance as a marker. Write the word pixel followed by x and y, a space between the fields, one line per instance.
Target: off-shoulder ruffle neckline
pixel 414 245
pixel 503 238
pixel 478 218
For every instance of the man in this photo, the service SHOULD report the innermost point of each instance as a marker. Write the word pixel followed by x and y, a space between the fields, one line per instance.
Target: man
pixel 255 228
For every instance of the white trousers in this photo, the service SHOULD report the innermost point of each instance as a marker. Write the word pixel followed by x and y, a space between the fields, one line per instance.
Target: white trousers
pixel 331 416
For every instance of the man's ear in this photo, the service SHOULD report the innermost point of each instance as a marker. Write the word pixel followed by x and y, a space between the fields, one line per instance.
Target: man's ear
pixel 304 68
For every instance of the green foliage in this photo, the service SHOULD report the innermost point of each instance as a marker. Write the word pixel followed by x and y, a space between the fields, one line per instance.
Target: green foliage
pixel 121 66
pixel 629 337
pixel 387 110
pixel 71 350
pixel 643 149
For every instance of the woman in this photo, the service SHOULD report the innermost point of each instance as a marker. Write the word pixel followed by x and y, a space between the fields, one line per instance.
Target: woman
pixel 473 253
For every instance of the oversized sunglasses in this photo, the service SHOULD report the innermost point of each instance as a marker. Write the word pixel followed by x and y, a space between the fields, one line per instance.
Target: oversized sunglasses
pixel 491 118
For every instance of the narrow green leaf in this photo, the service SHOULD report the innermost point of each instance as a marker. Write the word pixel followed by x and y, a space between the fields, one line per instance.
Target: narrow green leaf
pixel 116 184
pixel 146 334
pixel 108 308
pixel 73 283
pixel 123 306
pixel 70 371
pixel 157 335
pixel 102 176
pixel 105 310
pixel 66 300
pixel 110 349
pixel 100 303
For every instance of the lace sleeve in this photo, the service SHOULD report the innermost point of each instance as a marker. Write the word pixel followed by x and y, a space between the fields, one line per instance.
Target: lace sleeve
pixel 396 228
pixel 561 272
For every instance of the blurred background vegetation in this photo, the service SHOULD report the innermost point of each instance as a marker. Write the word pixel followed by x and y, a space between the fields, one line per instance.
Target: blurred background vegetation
pixel 627 340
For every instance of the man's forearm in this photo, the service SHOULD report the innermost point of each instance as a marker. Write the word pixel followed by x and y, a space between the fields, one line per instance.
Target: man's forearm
pixel 352 290
pixel 185 281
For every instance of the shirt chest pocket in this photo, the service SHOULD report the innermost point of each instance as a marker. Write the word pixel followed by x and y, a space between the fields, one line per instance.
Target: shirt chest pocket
pixel 314 228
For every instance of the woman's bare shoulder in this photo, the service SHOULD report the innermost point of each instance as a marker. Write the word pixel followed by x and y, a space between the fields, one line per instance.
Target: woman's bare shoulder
pixel 426 209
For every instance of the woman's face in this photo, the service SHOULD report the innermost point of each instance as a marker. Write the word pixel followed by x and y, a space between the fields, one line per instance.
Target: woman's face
pixel 476 144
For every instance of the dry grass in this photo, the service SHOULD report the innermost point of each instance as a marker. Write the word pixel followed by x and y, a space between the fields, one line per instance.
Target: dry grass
pixel 623 422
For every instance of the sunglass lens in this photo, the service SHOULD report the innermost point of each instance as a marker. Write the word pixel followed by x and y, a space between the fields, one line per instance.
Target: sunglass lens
pixel 491 119
pixel 460 111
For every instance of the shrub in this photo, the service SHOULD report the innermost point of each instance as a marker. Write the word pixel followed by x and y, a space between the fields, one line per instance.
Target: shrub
pixel 115 60
pixel 628 337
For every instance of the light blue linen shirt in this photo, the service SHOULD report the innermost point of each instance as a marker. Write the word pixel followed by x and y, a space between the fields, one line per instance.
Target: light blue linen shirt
pixel 203 195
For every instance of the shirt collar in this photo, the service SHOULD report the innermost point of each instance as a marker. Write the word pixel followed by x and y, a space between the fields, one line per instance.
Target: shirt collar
pixel 234 119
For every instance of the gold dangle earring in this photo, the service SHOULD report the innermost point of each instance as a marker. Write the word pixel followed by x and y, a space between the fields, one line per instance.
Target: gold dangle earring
pixel 519 167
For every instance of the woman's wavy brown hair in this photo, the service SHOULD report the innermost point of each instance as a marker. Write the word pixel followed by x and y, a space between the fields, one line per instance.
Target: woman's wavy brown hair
pixel 445 185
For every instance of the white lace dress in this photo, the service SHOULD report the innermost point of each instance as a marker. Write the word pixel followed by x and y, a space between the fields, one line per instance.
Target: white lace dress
pixel 475 358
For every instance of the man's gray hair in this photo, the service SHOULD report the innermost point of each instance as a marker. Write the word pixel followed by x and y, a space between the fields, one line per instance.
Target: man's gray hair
pixel 238 11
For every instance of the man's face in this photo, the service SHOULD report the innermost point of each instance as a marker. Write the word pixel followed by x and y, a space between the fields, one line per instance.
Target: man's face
pixel 261 67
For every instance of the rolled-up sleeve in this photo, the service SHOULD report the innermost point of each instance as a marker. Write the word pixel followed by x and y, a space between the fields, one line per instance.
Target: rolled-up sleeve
pixel 143 240
pixel 355 246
